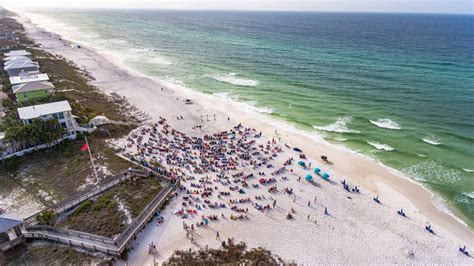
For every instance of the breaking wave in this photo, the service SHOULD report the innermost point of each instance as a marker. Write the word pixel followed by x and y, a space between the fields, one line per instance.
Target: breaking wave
pixel 386 123
pixel 431 140
pixel 468 170
pixel 232 78
pixel 246 105
pixel 340 126
pixel 469 194
pixel 380 146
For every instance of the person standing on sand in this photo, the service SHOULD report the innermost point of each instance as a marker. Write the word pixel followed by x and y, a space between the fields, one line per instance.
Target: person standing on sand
pixel 309 203
pixel 218 235
pixel 315 199
pixel 274 203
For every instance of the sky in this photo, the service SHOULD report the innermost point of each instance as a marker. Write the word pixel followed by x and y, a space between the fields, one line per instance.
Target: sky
pixel 413 6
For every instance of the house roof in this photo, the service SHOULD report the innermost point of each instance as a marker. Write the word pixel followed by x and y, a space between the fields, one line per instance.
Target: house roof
pixel 21 64
pixel 33 86
pixel 17 53
pixel 36 111
pixel 17 59
pixel 28 78
pixel 7 223
pixel 9 58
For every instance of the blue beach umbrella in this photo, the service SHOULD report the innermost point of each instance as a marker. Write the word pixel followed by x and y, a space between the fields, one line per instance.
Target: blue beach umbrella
pixel 317 170
pixel 308 178
pixel 297 149
pixel 301 163
pixel 325 176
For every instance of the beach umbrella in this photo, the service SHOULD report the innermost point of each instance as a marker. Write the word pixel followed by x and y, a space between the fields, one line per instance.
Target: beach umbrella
pixel 325 176
pixel 317 170
pixel 308 178
pixel 301 163
pixel 297 149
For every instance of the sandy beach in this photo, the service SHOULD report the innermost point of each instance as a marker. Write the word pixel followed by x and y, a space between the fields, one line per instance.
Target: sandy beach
pixel 357 231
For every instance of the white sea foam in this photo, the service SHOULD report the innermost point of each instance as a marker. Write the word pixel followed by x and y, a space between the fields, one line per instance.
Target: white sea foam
pixel 340 139
pixel 386 123
pixel 246 105
pixel 159 61
pixel 469 194
pixel 431 140
pixel 232 78
pixel 147 55
pixel 468 170
pixel 380 146
pixel 340 126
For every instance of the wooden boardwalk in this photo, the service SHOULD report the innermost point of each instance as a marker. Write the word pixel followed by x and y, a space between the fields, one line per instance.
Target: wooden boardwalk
pixel 95 242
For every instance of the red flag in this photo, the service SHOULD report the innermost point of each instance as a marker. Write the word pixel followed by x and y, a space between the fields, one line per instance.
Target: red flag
pixel 85 147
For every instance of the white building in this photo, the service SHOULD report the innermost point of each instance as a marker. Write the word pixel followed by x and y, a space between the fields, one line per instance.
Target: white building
pixel 57 110
pixel 14 68
pixel 26 78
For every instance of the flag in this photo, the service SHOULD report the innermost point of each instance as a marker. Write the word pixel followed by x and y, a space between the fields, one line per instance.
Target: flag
pixel 85 147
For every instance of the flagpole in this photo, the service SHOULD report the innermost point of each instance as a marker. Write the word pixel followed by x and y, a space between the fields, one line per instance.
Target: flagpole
pixel 92 161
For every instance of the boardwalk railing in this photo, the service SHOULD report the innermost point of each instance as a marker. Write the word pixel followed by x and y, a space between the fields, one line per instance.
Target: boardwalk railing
pixel 144 217
pixel 83 196
pixel 100 243
pixel 69 232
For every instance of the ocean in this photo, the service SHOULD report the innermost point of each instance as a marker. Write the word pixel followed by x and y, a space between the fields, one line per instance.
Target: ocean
pixel 396 87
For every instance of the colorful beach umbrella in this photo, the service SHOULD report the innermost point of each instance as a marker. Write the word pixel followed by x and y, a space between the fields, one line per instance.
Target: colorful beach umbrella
pixel 308 178
pixel 301 163
pixel 325 176
pixel 317 170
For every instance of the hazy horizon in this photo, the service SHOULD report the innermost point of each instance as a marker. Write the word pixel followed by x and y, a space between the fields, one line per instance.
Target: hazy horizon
pixel 380 6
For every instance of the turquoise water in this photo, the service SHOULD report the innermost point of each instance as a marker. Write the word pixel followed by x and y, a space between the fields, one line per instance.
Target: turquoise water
pixel 396 87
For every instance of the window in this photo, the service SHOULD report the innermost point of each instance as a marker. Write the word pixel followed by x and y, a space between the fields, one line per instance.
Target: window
pixel 60 115
pixel 63 125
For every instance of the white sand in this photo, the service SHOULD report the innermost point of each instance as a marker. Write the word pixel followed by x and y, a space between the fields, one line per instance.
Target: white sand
pixel 359 231
pixel 19 203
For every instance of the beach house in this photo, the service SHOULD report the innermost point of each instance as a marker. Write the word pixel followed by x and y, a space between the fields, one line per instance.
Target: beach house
pixel 6 44
pixel 27 78
pixel 56 110
pixel 33 90
pixel 7 35
pixel 10 234
pixel 16 67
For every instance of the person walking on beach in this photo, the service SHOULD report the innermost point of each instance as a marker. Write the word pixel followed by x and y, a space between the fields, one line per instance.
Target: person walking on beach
pixel 309 203
pixel 315 199
pixel 274 203
pixel 218 235
pixel 326 211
